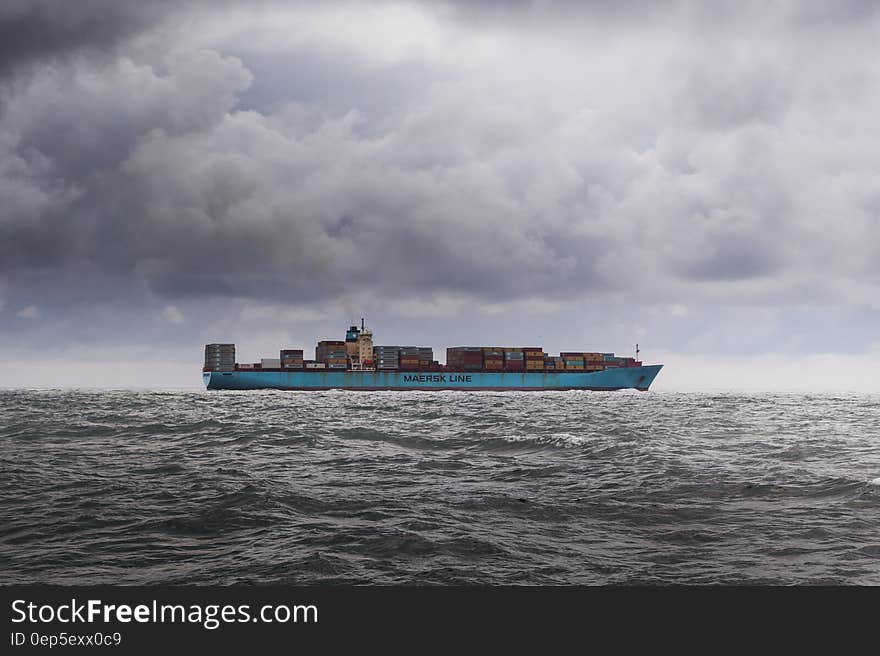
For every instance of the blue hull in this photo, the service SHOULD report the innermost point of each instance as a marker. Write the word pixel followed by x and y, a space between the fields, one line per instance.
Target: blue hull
pixel 611 379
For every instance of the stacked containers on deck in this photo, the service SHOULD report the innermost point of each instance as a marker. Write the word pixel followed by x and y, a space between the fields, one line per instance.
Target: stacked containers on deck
pixel 332 353
pixel 426 356
pixel 464 358
pixel 514 360
pixel 554 363
pixel 337 360
pixel 311 364
pixel 270 363
pixel 493 358
pixel 291 358
pixel 534 358
pixel 219 357
pixel 386 357
pixel 573 360
pixel 593 361
pixel 326 347
pixel 411 357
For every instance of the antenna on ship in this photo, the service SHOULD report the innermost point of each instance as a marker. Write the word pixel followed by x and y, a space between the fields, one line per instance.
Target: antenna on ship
pixel 637 352
pixel 362 323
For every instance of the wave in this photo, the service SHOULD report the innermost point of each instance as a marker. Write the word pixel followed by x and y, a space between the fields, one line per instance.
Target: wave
pixel 395 487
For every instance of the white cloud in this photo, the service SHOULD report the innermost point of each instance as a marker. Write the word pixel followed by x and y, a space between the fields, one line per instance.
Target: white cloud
pixel 171 314
pixel 30 312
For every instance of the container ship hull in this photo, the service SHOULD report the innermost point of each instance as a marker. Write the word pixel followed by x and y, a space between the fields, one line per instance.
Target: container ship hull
pixel 610 379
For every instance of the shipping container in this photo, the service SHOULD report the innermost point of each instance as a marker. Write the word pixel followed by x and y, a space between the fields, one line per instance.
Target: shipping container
pixel 219 357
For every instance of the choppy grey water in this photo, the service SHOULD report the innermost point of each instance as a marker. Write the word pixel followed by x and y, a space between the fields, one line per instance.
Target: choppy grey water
pixel 438 487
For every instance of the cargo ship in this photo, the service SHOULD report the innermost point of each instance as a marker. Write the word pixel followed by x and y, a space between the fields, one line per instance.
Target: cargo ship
pixel 356 364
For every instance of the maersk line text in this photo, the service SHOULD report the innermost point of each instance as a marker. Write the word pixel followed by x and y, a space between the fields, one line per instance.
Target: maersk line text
pixel 436 378
pixel 210 616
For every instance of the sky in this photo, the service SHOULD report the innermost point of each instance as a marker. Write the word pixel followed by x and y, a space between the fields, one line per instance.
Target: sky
pixel 702 179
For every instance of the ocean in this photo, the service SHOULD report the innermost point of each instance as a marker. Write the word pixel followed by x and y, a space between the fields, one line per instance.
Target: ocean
pixel 400 488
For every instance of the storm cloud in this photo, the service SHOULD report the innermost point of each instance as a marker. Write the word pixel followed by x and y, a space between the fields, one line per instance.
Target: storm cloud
pixel 531 162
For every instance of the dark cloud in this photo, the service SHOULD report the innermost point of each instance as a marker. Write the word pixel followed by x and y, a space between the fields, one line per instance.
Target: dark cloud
pixel 734 260
pixel 490 155
pixel 33 30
